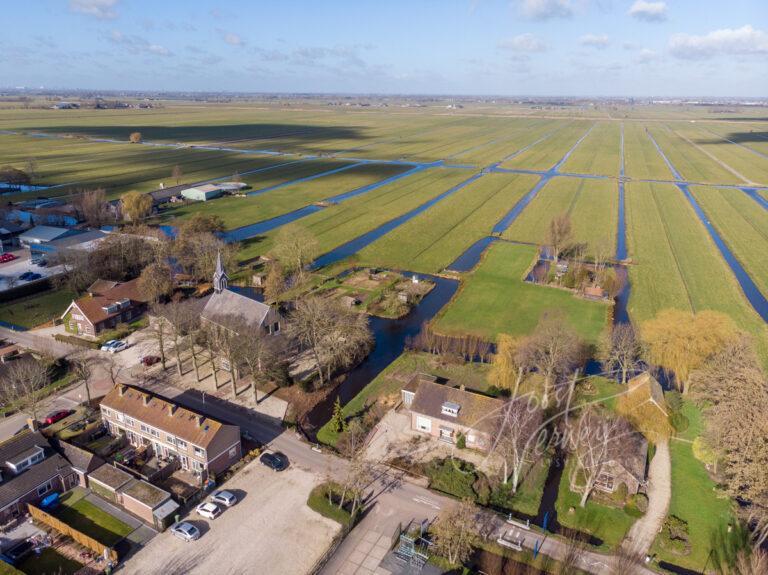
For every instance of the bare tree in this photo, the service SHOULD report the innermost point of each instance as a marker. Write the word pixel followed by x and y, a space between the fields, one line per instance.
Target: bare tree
pixel 595 440
pixel 295 247
pixel 82 367
pixel 559 234
pixel 156 281
pixel 336 336
pixel 157 331
pixel 176 174
pixel 620 350
pixel 553 349
pixel 516 440
pixel 179 316
pixel 197 252
pixel 260 355
pixel 24 384
pixel 30 167
pixel 455 532
pixel 275 283
pixel 92 204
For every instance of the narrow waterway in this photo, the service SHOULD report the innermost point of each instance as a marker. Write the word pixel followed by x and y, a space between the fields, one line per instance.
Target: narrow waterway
pixel 748 287
pixel 752 193
pixel 390 336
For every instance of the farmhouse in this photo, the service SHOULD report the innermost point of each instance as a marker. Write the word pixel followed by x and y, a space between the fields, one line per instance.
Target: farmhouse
pixel 165 429
pixel 29 470
pixel 226 303
pixel 107 304
pixel 628 468
pixel 444 412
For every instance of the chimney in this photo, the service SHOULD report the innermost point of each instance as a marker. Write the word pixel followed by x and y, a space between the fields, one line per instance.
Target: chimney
pixel 145 398
pixel 462 387
pixel 199 418
pixel 33 424
pixel 122 389
pixel 171 409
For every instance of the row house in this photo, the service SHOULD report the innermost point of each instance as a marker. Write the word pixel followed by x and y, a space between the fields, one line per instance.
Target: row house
pixel 202 445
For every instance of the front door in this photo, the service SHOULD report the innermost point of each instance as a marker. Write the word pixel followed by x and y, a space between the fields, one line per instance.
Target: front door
pixel 184 462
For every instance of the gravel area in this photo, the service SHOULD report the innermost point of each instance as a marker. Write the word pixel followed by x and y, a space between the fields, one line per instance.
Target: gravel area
pixel 270 530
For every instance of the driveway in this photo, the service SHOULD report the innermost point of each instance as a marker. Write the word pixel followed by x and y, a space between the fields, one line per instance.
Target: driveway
pixel 270 530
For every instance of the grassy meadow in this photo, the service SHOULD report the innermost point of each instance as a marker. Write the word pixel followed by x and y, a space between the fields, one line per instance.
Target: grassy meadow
pixel 494 299
pixel 599 153
pixel 545 154
pixel 433 239
pixel 641 159
pixel 593 206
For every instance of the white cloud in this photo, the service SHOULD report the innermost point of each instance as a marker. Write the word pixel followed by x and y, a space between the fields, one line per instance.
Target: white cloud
pixel 649 11
pixel 594 40
pixel 546 9
pixel 647 55
pixel 137 44
pixel 523 43
pixel 739 41
pixel 101 9
pixel 231 38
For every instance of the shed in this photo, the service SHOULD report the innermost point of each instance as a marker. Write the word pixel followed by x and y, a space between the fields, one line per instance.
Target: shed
pixel 164 515
pixel 142 499
pixel 202 193
pixel 44 234
pixel 107 481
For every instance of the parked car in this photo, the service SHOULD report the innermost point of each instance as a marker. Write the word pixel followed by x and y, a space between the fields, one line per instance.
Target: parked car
pixel 276 461
pixel 26 276
pixel 114 346
pixel 57 416
pixel 208 510
pixel 186 531
pixel 42 263
pixel 225 498
pixel 6 258
pixel 148 360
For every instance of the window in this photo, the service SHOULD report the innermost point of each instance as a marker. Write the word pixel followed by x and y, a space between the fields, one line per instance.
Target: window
pixel 275 327
pixel 154 432
pixel 169 439
pixel 197 466
pixel 233 453
pixel 181 444
pixel 451 409
pixel 36 458
pixel 144 428
pixel 423 424
pixel 130 422
pixel 120 417
pixel 107 411
pixel 43 489
pixel 199 452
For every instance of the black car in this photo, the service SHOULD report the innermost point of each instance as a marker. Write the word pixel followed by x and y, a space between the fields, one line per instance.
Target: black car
pixel 276 461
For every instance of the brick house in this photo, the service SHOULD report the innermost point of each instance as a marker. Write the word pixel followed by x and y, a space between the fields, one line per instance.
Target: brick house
pixel 107 304
pixel 202 445
pixel 29 471
pixel 627 469
pixel 444 412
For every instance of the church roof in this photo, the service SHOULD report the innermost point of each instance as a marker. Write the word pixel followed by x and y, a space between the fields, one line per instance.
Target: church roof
pixel 228 303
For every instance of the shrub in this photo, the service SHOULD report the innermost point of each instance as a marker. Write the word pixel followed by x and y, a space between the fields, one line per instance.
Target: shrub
pixel 461 441
pixel 637 505
pixel 703 452
pixel 318 500
pixel 453 476
pixel 74 340
pixel 679 421
pixel 675 535
pixel 482 488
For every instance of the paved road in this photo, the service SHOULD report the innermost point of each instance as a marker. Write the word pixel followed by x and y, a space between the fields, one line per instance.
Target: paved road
pixel 43 344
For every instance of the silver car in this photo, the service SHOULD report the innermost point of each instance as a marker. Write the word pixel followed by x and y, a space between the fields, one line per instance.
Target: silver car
pixel 225 498
pixel 186 531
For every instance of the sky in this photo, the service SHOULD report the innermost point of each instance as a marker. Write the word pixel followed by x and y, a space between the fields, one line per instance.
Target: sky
pixel 465 47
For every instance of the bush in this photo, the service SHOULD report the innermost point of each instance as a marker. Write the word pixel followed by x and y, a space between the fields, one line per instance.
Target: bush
pixel 318 501
pixel 679 422
pixel 454 477
pixel 674 535
pixel 461 441
pixel 482 488
pixel 74 340
pixel 637 505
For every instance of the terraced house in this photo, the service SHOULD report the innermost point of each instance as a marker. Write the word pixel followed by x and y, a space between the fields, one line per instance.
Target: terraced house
pixel 200 444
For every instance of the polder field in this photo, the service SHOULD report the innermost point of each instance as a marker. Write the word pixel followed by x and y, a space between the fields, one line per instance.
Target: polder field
pixel 413 187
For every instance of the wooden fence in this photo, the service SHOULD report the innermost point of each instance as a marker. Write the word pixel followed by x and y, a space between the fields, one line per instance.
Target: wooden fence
pixel 69 531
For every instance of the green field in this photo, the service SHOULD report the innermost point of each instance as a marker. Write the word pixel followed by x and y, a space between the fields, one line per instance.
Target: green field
pixel 494 299
pixel 87 518
pixel 641 159
pixel 599 153
pixel 692 163
pixel 236 211
pixel 676 263
pixel 545 154
pixel 742 224
pixel 340 223
pixel 434 238
pixel 593 206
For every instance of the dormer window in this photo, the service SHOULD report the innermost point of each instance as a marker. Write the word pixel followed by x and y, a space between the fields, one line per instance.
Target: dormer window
pixel 451 409
pixel 26 459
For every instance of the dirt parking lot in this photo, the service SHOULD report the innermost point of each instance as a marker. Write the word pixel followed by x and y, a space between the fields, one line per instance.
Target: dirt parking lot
pixel 270 530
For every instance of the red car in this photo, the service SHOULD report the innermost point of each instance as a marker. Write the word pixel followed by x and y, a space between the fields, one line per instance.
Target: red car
pixel 148 360
pixel 6 258
pixel 57 416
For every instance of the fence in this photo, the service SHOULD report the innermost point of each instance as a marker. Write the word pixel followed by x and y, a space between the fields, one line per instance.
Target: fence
pixel 69 531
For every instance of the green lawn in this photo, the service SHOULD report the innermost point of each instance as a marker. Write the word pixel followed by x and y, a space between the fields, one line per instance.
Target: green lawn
pixel 593 206
pixel 433 239
pixel 677 264
pixel 694 497
pixel 84 516
pixel 494 299
pixel 36 309
pixel 49 562
pixel 599 153
pixel 340 223
pixel 608 524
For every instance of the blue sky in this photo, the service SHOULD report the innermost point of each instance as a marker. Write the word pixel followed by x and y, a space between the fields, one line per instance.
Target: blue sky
pixel 518 47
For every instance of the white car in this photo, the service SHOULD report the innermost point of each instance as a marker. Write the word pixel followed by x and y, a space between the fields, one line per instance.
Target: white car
pixel 117 345
pixel 108 345
pixel 186 531
pixel 225 498
pixel 208 510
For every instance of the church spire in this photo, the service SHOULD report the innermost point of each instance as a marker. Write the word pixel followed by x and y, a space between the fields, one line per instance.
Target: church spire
pixel 220 277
